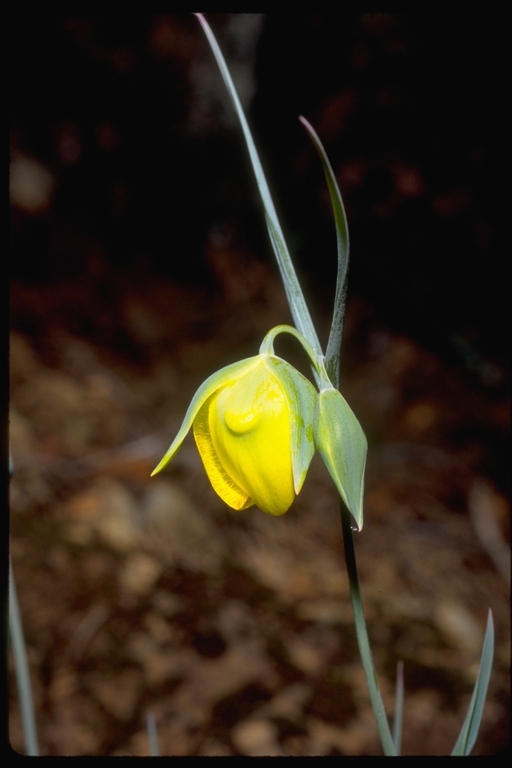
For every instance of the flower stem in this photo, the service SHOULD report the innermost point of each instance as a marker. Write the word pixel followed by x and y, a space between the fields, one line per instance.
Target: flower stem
pixel 22 672
pixel 317 361
pixel 363 642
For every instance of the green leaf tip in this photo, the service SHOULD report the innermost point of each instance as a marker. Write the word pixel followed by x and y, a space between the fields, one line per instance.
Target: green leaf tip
pixel 332 355
pixel 469 731
pixel 296 300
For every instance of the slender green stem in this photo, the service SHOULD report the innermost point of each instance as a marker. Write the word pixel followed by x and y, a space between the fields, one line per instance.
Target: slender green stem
pixel 22 674
pixel 317 361
pixel 399 707
pixel 363 642
pixel 152 734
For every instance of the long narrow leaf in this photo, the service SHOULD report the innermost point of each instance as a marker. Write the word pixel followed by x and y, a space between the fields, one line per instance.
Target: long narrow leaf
pixel 154 750
pixel 399 707
pixel 332 357
pixel 469 731
pixel 298 307
pixel 22 672
pixel 363 641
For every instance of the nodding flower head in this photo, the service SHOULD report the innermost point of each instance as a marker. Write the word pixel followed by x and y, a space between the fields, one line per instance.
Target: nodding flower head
pixel 253 426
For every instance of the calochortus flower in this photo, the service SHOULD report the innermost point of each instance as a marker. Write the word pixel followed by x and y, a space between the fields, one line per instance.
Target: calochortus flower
pixel 253 426
pixel 257 424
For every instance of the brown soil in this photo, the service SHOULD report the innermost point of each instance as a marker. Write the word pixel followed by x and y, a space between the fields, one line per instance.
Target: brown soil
pixel 235 630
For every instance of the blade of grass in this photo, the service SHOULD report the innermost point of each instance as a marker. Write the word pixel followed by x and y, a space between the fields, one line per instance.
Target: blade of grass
pixel 152 735
pixel 399 707
pixel 332 356
pixel 471 725
pixel 386 739
pixel 21 668
pixel 298 307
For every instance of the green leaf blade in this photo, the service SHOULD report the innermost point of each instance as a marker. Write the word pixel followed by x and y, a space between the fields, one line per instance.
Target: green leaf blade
pixel 399 707
pixel 298 306
pixel 471 725
pixel 332 357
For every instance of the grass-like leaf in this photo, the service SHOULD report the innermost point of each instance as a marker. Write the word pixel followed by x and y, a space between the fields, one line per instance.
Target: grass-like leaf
pixel 469 731
pixel 332 357
pixel 363 642
pixel 22 672
pixel 298 307
pixel 152 734
pixel 399 707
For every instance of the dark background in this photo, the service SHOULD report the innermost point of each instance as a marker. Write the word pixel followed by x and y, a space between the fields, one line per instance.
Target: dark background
pixel 136 231
pixel 407 108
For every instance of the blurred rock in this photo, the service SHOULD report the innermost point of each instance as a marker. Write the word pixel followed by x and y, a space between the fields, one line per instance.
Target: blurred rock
pixel 214 748
pixel 459 626
pixel 106 510
pixel 177 531
pixel 119 695
pixel 256 738
pixel 354 739
pixel 139 573
pixel 159 665
pixel 312 650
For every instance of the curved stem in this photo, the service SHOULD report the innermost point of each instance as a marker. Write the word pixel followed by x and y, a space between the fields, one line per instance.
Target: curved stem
pixel 363 642
pixel 317 361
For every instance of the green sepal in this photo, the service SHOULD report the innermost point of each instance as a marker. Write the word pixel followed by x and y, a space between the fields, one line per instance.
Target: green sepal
pixel 342 445
pixel 301 396
pixel 212 384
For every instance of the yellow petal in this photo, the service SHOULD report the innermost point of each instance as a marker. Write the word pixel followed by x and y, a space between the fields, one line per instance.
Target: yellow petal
pixel 211 385
pixel 249 426
pixel 222 483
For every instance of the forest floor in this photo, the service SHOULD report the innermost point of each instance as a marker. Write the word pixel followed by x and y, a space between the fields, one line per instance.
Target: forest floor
pixel 235 630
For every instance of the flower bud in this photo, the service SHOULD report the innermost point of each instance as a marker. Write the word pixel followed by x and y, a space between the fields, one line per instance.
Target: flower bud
pixel 252 424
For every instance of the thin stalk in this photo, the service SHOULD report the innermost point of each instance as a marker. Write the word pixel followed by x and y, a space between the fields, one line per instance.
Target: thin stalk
pixel 317 361
pixel 22 674
pixel 152 734
pixel 399 707
pixel 363 642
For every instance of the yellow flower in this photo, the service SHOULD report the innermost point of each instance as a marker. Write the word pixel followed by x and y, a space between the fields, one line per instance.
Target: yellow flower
pixel 253 426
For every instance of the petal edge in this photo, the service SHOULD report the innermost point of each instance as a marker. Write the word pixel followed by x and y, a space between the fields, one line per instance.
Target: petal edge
pixel 212 383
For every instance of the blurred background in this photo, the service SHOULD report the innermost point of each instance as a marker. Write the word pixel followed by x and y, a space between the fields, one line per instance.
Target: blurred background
pixel 140 265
